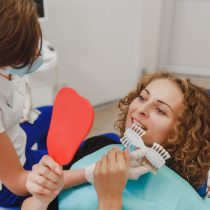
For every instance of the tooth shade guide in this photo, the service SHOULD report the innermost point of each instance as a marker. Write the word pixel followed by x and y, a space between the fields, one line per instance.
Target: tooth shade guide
pixel 155 155
pixel 136 127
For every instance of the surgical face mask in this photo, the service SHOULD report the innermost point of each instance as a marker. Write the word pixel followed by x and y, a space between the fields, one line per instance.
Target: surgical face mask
pixel 27 69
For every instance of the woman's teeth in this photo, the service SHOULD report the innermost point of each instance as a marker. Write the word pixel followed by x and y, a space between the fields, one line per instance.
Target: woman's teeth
pixel 134 121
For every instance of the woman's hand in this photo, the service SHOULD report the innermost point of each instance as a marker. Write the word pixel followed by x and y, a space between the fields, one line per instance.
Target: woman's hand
pixel 110 177
pixel 45 180
pixel 136 168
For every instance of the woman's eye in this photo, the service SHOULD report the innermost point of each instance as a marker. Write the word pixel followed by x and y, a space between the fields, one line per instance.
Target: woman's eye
pixel 141 98
pixel 160 111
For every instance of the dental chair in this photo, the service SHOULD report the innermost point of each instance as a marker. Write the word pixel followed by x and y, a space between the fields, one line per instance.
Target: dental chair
pixel 7 208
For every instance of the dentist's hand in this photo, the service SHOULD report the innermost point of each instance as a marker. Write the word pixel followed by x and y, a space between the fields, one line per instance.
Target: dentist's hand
pixel 137 157
pixel 137 168
pixel 89 173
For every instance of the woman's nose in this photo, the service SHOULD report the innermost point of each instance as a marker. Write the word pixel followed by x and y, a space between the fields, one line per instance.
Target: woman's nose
pixel 143 109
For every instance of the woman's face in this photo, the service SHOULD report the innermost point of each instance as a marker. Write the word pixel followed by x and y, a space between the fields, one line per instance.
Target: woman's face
pixel 156 110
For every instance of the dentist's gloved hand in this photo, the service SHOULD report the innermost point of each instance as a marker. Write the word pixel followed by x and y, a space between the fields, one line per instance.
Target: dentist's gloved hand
pixel 136 157
pixel 137 168
pixel 89 173
pixel 137 171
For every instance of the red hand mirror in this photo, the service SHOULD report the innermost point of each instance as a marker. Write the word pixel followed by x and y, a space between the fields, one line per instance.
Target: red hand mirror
pixel 71 121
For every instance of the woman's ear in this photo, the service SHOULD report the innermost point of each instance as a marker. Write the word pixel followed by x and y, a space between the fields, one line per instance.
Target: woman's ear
pixel 171 136
pixel 174 127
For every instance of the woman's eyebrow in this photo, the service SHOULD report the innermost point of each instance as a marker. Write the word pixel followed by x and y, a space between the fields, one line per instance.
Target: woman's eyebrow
pixel 159 101
pixel 162 102
pixel 146 91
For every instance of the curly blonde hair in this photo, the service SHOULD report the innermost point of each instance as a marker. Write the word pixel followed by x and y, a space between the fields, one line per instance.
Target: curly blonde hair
pixel 189 145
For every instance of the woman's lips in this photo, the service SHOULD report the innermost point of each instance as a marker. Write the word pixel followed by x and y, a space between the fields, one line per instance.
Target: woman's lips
pixel 140 124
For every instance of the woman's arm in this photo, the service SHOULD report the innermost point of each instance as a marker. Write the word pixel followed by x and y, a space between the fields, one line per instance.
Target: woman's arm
pixel 112 204
pixel 74 177
pixel 11 169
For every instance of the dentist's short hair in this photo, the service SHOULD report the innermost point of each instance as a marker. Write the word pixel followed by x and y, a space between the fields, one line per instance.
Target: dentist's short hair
pixel 20 33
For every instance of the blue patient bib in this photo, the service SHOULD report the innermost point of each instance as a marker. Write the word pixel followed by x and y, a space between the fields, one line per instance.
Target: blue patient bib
pixel 164 191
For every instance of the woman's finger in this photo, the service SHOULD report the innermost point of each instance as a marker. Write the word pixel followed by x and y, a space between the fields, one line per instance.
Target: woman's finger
pixel 111 158
pixel 126 156
pixel 103 164
pixel 121 161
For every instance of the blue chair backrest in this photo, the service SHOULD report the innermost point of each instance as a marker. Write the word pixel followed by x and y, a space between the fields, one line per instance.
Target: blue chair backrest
pixel 9 208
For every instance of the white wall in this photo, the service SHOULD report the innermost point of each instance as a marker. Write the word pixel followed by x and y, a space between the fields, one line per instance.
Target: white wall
pixel 185 43
pixel 150 33
pixel 98 44
pixel 103 45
